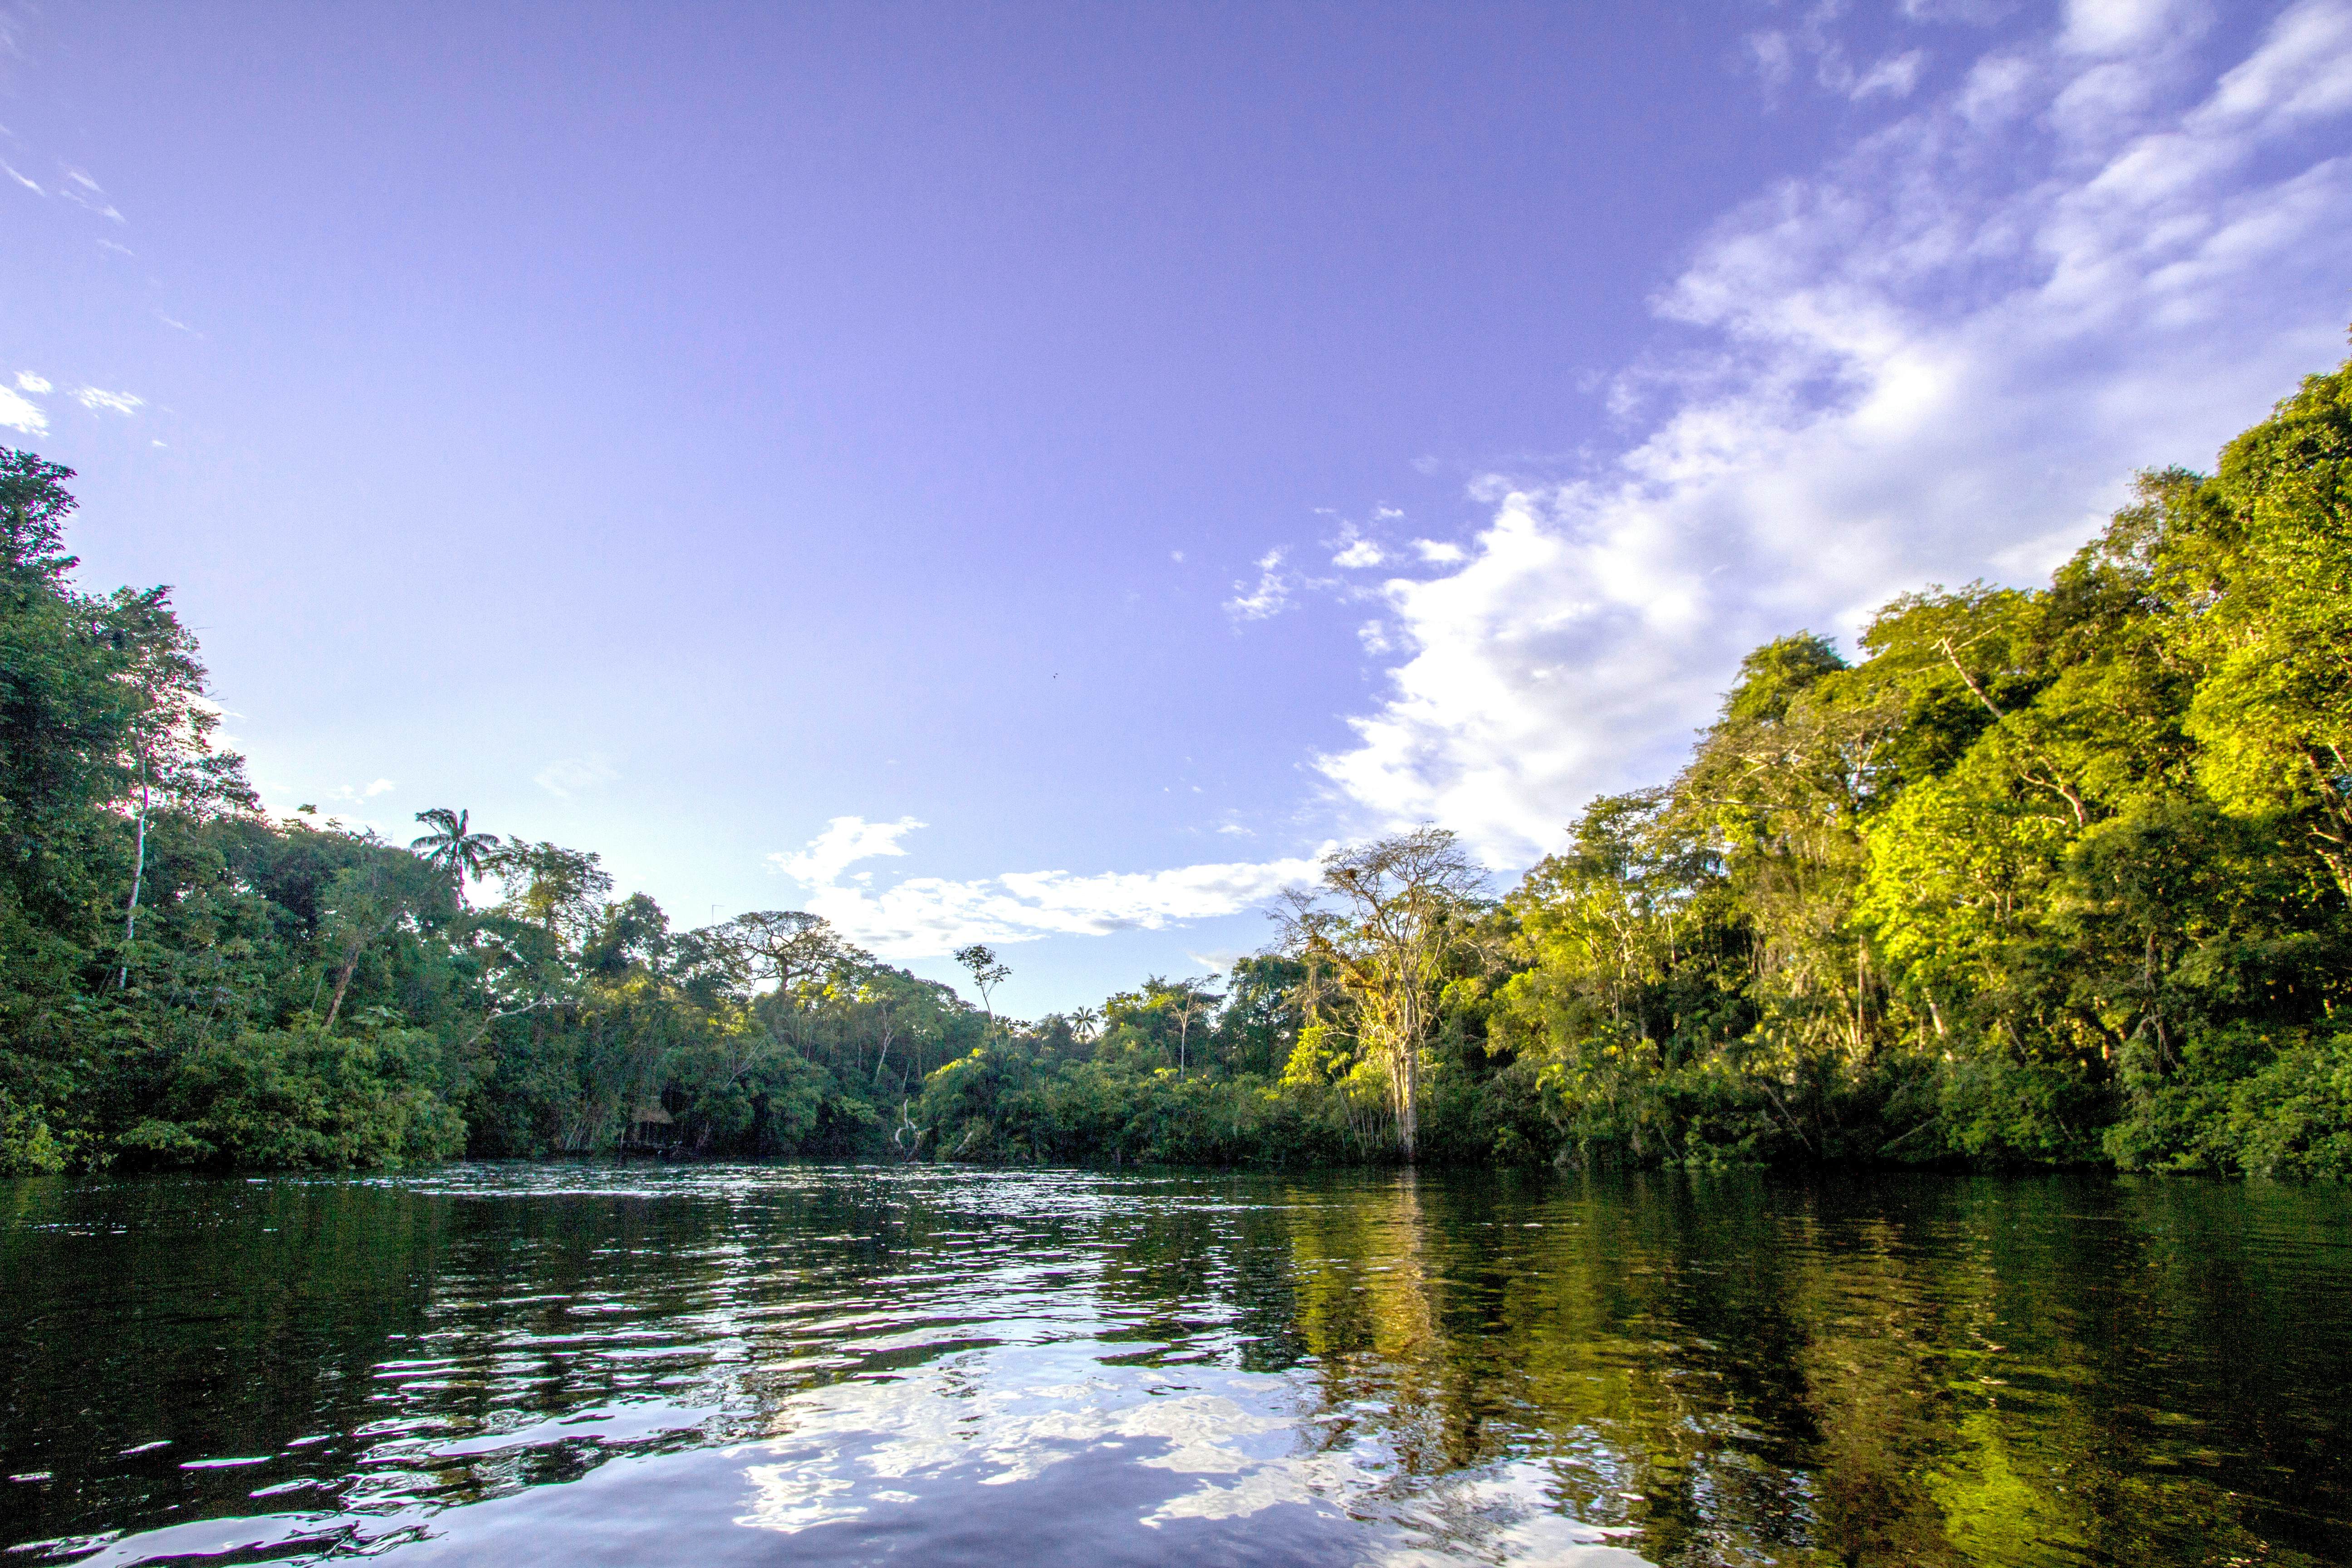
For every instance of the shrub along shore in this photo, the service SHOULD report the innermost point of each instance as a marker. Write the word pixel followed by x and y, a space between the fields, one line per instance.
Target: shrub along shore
pixel 2037 877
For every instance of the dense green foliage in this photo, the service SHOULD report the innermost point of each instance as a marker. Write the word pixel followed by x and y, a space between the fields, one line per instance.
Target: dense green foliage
pixel 2053 876
pixel 2049 877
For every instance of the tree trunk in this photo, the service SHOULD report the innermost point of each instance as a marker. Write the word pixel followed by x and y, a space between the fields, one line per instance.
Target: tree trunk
pixel 1408 1080
pixel 138 875
pixel 342 984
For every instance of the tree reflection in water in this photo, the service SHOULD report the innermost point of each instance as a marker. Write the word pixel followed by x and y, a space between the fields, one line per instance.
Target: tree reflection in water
pixel 1915 1371
pixel 1427 1367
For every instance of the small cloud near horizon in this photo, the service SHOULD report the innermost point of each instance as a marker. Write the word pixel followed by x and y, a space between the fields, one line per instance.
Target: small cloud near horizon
pixel 845 841
pixel 568 776
pixel 928 917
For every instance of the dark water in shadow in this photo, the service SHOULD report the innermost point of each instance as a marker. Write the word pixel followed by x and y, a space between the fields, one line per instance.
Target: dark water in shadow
pixel 578 1366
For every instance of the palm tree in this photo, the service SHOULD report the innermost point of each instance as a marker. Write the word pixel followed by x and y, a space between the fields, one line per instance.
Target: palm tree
pixel 450 850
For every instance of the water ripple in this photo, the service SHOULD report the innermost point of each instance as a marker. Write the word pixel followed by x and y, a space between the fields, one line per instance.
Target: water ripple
pixel 641 1364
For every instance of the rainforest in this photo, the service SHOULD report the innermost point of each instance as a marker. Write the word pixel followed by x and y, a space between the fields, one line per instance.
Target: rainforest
pixel 2049 877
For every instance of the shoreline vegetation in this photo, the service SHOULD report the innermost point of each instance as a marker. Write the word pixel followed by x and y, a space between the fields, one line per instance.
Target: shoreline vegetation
pixel 2043 877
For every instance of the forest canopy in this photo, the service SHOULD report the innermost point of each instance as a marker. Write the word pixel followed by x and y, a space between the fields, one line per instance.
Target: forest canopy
pixel 2036 876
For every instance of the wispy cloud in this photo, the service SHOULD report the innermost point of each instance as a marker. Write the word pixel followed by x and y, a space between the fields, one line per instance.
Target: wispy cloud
pixel 1778 52
pixel 23 179
pixel 95 398
pixel 568 776
pixel 1893 77
pixel 84 192
pixel 922 917
pixel 1942 357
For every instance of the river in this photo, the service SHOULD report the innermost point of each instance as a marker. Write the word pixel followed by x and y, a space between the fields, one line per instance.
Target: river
pixel 588 1364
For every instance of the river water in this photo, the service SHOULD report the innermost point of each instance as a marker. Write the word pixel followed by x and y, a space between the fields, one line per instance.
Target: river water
pixel 813 1364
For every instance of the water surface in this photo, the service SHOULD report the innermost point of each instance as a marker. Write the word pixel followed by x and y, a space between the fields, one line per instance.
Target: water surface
pixel 806 1364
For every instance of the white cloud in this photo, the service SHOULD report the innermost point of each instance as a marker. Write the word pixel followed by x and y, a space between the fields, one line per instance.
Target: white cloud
pixel 1353 549
pixel 845 841
pixel 1976 12
pixel 1440 551
pixel 1270 597
pixel 1895 77
pixel 28 382
pixel 31 185
pixel 2110 28
pixel 95 398
pixel 1940 357
pixel 19 413
pixel 567 776
pixel 923 917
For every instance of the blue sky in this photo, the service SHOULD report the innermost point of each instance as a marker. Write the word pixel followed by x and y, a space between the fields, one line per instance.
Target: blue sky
pixel 1040 473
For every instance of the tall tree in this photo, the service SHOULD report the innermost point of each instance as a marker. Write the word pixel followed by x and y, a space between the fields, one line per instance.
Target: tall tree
pixel 557 890
pixel 1189 1003
pixel 2264 575
pixel 169 753
pixel 789 947
pixel 66 715
pixel 1386 920
pixel 987 973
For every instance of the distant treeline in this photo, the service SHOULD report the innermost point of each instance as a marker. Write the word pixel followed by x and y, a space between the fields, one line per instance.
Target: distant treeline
pixel 2048 878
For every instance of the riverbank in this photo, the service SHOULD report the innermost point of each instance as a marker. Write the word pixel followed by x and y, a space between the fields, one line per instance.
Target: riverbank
pixel 2053 876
